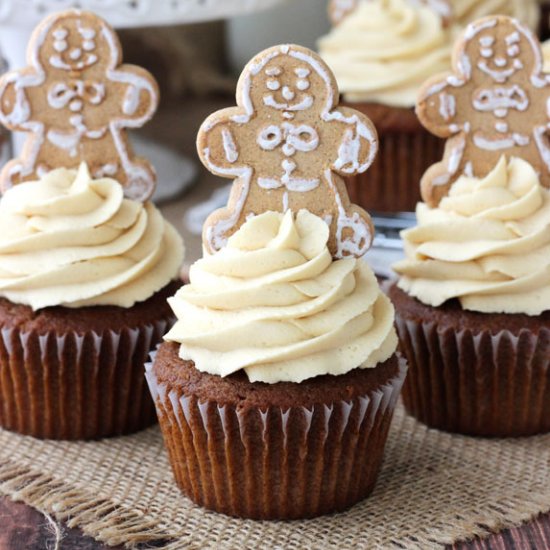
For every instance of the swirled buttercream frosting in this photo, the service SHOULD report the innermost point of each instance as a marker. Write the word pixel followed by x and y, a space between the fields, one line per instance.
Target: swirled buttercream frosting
pixel 70 240
pixel 384 50
pixel 466 11
pixel 274 303
pixel 487 244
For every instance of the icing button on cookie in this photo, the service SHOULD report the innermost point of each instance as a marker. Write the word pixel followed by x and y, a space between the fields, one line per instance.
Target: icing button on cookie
pixel 286 145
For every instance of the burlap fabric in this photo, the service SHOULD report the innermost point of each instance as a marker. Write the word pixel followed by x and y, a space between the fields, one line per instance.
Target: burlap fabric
pixel 435 488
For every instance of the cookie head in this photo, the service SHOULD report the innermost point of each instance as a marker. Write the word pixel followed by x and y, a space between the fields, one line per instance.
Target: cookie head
pixel 289 85
pixel 75 43
pixel 497 50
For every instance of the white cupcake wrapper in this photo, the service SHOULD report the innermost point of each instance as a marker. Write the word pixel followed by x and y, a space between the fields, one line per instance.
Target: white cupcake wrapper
pixel 76 386
pixel 276 463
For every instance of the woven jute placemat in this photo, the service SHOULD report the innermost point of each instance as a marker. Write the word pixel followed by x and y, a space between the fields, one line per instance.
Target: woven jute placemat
pixel 435 488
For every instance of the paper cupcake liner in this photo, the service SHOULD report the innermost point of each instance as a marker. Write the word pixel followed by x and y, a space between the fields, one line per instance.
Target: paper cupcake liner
pixel 274 463
pixel 392 183
pixel 76 386
pixel 477 384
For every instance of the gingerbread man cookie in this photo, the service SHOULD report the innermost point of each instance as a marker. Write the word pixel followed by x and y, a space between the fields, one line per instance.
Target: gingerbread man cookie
pixel 75 101
pixel 339 9
pixel 494 103
pixel 287 144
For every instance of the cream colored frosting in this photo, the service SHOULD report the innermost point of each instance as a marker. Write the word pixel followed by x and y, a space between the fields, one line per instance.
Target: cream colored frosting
pixel 69 240
pixel 487 244
pixel 527 11
pixel 546 55
pixel 274 303
pixel 384 50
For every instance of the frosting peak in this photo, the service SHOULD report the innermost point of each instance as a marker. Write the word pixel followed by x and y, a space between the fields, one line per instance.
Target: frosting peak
pixel 384 50
pixel 69 240
pixel 274 303
pixel 487 244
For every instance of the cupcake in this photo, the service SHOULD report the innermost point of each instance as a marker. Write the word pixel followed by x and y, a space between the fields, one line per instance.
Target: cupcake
pixel 85 270
pixel 473 298
pixel 84 278
pixel 473 306
pixel 276 387
pixel 381 52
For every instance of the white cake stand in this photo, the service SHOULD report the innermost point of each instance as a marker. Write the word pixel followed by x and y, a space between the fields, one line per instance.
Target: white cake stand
pixel 19 17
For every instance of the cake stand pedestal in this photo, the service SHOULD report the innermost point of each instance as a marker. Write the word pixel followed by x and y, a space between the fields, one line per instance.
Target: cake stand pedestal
pixel 18 18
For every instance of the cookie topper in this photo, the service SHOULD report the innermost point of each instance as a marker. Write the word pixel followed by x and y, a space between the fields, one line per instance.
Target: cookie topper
pixel 494 103
pixel 286 145
pixel 75 100
pixel 340 9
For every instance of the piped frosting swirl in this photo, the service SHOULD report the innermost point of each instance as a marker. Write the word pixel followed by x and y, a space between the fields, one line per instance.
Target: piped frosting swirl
pixel 274 303
pixel 69 240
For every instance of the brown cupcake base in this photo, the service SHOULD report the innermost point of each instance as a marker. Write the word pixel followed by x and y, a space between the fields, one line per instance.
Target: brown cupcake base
pixel 274 451
pixel 406 151
pixel 78 373
pixel 475 373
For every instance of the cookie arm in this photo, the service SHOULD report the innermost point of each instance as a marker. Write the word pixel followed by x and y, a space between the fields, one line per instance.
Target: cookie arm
pixel 217 144
pixel 140 97
pixel 15 108
pixel 436 107
pixel 358 143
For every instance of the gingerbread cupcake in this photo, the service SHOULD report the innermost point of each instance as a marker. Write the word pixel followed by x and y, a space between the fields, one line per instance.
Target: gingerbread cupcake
pixel 281 369
pixel 86 261
pixel 381 52
pixel 473 299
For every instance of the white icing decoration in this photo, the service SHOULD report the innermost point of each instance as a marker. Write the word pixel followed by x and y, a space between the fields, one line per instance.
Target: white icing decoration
pixel 513 51
pixel 273 71
pixel 109 169
pixel 88 45
pixel 487 41
pixel 273 85
pixel 447 106
pixel 60 33
pixel 453 162
pixel 361 238
pixel 501 75
pixel 302 85
pixel 500 99
pixel 541 140
pixel 491 144
pixel 288 94
pixel 513 38
pixel 75 53
pixel 60 94
pixel 486 52
pixel 302 72
pixel 229 146
pixel 501 127
pixel 303 105
pixel 285 201
pixel 300 185
pixel 500 61
pixel 270 138
pixel 60 45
